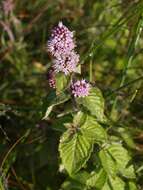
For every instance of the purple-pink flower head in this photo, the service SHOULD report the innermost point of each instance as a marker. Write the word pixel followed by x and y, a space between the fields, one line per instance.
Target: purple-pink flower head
pixel 61 41
pixel 8 6
pixel 80 88
pixel 51 78
pixel 66 63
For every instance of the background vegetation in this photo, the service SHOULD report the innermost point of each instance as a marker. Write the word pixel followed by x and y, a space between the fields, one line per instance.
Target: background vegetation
pixel 109 41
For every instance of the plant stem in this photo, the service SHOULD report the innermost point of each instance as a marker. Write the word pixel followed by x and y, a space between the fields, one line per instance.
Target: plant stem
pixel 90 70
pixel 10 150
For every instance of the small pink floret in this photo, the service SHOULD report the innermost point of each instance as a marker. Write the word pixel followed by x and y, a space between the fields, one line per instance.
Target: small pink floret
pixel 80 88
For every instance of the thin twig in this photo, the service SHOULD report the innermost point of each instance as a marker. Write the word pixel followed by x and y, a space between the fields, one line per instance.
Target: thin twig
pixel 8 30
pixel 10 150
pixel 124 86
pixel 16 177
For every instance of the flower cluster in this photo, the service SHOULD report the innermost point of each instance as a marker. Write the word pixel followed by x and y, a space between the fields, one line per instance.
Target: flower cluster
pixel 61 46
pixel 66 63
pixel 80 88
pixel 51 78
pixel 8 6
pixel 61 40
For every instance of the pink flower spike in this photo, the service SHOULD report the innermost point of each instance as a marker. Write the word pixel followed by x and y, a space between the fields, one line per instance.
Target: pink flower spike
pixel 61 41
pixel 80 88
pixel 8 6
pixel 66 63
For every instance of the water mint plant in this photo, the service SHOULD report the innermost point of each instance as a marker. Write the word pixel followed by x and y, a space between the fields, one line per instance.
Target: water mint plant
pixel 87 135
pixel 71 98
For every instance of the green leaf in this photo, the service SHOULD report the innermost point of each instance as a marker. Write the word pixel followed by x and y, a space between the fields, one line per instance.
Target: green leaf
pixel 115 159
pixel 107 186
pixel 89 124
pixel 117 183
pixel 79 119
pixel 129 172
pixel 81 177
pixel 94 130
pixel 75 151
pixel 61 82
pixel 52 100
pixel 97 179
pixel 77 181
pixel 48 111
pixel 94 103
pixel 122 159
pixel 72 185
pixel 107 162
pixel 127 137
pixel 117 151
pixel 78 69
pixel 132 185
pixel 75 148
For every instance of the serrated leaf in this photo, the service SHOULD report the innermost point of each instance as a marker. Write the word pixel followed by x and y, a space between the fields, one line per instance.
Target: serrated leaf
pixel 52 100
pixel 76 148
pixel 115 159
pixel 127 137
pixel 75 151
pixel 107 186
pixel 94 130
pixel 107 162
pixel 94 102
pixel 98 179
pixel 61 82
pixel 129 172
pixel 122 159
pixel 132 185
pixel 79 119
pixel 77 181
pixel 117 151
pixel 117 183
pixel 81 177
pixel 48 111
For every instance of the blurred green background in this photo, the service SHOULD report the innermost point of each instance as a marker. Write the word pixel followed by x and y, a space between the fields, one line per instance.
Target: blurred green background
pixel 109 41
